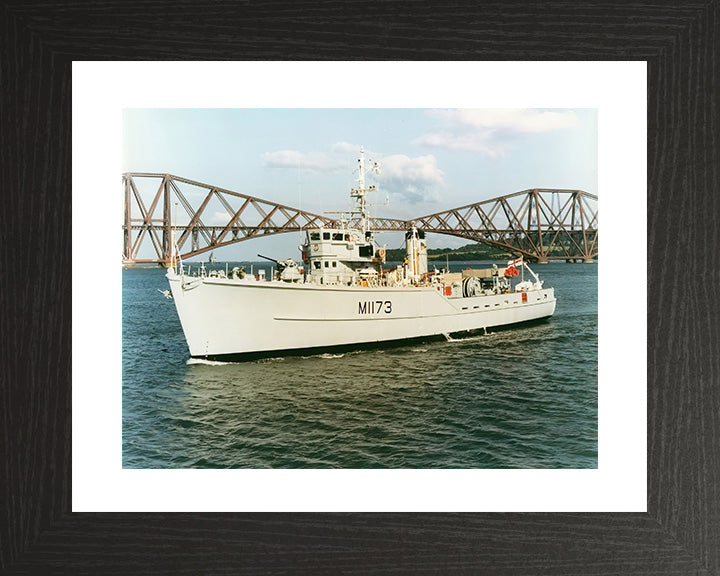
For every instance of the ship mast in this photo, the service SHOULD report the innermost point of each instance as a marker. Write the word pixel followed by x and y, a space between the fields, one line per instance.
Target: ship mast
pixel 360 193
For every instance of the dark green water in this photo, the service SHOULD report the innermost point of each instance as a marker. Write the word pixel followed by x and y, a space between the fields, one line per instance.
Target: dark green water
pixel 516 398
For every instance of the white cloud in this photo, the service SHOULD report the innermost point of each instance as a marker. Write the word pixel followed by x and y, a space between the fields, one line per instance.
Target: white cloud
pixel 345 148
pixel 217 219
pixel 519 120
pixel 472 142
pixel 335 161
pixel 490 131
pixel 313 161
pixel 416 179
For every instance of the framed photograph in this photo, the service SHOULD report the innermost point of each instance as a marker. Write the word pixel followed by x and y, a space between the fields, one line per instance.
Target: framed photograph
pixel 507 444
pixel 329 303
pixel 70 505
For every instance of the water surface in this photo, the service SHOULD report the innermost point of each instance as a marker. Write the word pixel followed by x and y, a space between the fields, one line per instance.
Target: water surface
pixel 515 398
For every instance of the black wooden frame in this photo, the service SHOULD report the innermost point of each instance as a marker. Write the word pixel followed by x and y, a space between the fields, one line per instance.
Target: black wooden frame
pixel 680 533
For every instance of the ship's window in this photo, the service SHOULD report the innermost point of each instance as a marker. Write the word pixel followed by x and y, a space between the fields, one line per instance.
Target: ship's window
pixel 326 235
pixel 314 235
pixel 334 264
pixel 366 251
pixel 337 236
pixel 317 265
pixel 327 264
pixel 347 237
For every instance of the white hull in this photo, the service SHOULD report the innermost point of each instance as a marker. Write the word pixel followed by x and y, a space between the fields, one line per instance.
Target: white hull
pixel 229 317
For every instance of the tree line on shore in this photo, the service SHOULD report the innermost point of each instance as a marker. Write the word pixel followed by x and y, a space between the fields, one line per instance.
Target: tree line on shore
pixel 473 251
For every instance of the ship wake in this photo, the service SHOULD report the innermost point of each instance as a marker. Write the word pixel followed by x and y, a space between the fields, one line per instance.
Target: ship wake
pixel 468 338
pixel 205 362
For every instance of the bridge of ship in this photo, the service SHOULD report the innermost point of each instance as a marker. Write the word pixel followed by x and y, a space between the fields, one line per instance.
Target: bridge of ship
pixel 540 224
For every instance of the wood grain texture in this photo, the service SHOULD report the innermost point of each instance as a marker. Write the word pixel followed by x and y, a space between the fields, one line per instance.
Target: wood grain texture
pixel 680 534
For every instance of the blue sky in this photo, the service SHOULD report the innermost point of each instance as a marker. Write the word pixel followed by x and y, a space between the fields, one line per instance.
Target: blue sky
pixel 431 160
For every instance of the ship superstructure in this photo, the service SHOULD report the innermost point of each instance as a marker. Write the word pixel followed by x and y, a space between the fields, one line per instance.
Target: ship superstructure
pixel 341 294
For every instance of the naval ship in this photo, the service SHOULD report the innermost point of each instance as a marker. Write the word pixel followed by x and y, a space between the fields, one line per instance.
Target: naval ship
pixel 341 296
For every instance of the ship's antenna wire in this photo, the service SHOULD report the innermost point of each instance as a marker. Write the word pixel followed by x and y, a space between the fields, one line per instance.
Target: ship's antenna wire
pixel 297 182
pixel 173 248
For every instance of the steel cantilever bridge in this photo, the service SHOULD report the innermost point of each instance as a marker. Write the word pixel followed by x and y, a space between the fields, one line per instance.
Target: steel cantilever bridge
pixel 540 224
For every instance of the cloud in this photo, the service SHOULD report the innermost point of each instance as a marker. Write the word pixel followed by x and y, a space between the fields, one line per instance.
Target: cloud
pixel 522 121
pixel 415 179
pixel 217 219
pixel 312 161
pixel 345 148
pixel 334 161
pixel 476 142
pixel 491 132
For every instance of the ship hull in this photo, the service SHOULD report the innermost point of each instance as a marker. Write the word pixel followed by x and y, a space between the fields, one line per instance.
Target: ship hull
pixel 236 319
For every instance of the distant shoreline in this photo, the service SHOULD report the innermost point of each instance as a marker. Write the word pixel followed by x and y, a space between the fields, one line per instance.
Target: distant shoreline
pixel 464 253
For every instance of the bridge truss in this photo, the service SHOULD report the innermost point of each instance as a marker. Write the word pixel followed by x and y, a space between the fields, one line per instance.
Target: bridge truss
pixel 209 217
pixel 540 224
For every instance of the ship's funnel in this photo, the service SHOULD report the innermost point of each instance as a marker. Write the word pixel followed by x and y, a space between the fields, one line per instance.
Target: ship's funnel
pixel 416 249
